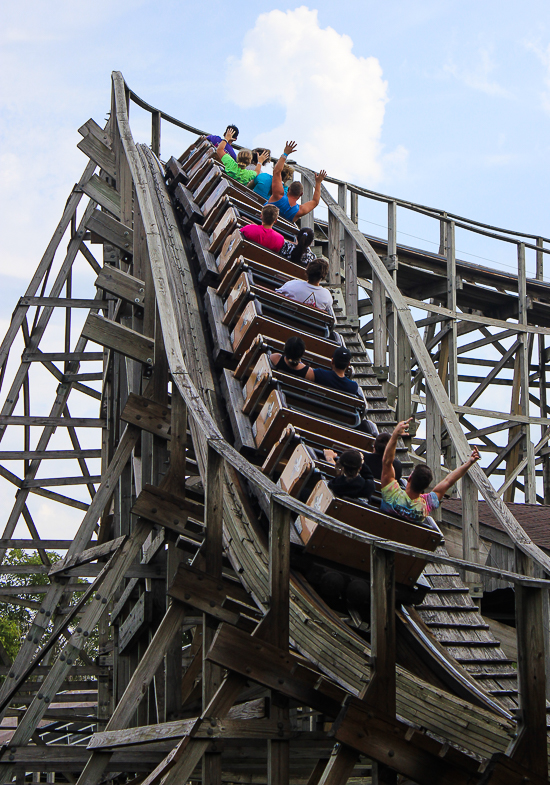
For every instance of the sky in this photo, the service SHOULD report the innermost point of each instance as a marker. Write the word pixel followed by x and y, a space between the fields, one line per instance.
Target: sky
pixel 443 103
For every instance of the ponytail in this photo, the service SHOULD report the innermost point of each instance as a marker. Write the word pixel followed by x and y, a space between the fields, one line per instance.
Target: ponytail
pixel 304 240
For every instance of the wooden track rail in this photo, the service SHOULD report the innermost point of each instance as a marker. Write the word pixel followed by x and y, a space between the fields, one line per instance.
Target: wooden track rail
pixel 214 655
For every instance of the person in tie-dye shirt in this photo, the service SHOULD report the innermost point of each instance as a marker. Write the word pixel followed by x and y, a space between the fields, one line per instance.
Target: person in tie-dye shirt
pixel 411 503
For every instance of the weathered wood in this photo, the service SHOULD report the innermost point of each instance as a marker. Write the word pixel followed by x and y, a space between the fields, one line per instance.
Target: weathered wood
pixel 382 689
pixel 91 554
pixel 167 509
pixel 339 767
pixel 122 285
pixel 202 591
pixel 104 194
pixel 110 231
pixel 96 145
pixel 122 339
pixel 136 624
pixel 55 422
pixel 63 302
pixel 147 415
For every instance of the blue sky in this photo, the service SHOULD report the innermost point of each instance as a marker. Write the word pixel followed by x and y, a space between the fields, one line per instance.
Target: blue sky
pixel 441 102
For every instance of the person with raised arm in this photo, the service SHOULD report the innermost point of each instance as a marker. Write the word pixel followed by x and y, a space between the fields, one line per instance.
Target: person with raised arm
pixel 287 204
pixel 411 503
pixel 237 169
pixel 230 135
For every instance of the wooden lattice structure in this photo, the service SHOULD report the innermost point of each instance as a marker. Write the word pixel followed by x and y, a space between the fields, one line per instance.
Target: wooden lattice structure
pixel 218 660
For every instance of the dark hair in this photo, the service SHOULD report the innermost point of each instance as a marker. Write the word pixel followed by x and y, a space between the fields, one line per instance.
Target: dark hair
pixel 295 188
pixel 294 348
pixel 316 270
pixel 234 127
pixel 341 358
pixel 270 213
pixel 258 151
pixel 304 239
pixel 380 443
pixel 350 462
pixel 420 478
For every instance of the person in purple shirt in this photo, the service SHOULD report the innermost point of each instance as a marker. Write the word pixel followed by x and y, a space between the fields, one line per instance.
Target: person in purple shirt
pixel 230 135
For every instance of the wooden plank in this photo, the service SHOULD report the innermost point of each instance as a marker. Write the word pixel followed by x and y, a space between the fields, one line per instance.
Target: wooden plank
pixel 119 338
pixel 382 688
pixel 136 624
pixel 339 767
pixel 45 482
pixel 167 509
pixel 268 665
pixel 193 213
pixel 202 591
pixel 90 554
pixel 242 429
pixel 111 231
pixel 63 302
pixel 231 727
pixel 407 750
pixel 122 285
pixel 55 422
pixel 175 173
pixel 148 415
pixel 38 357
pixel 96 146
pixel 207 262
pixel 104 194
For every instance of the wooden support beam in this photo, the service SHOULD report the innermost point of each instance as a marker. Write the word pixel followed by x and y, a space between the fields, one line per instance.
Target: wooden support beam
pixel 148 415
pixel 97 146
pixel 121 339
pixel 104 194
pixel 529 749
pixel 202 591
pixel 352 293
pixel 122 285
pixel 106 229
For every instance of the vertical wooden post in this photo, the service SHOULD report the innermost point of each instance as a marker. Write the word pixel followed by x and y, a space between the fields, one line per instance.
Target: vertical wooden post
pixel 307 220
pixel 380 334
pixel 539 275
pixel 433 442
pixel 529 474
pixel 155 133
pixel 392 232
pixel 403 376
pixel 334 277
pixel 279 592
pixel 354 207
pixel 530 746
pixel 212 674
pixel 392 320
pixel 470 534
pixel 451 305
pixel 350 253
pixel 382 691
pixel 443 235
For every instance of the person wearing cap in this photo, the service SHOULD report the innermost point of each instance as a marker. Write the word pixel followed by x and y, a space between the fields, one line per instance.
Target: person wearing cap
pixel 337 379
pixel 350 481
pixel 230 135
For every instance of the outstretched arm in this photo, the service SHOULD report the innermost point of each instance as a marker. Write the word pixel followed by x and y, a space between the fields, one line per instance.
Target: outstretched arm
pixel 307 207
pixel 277 187
pixel 229 138
pixel 388 472
pixel 442 487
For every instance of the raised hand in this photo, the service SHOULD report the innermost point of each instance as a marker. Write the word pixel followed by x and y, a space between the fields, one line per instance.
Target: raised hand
pixel 263 157
pixel 475 456
pixel 230 135
pixel 402 427
pixel 320 177
pixel 330 456
pixel 290 147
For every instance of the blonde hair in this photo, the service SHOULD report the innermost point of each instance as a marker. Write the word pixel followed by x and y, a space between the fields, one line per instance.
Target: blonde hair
pixel 287 173
pixel 244 158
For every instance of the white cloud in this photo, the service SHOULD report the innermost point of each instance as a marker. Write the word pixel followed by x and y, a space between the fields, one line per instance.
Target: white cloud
pixel 479 76
pixel 334 101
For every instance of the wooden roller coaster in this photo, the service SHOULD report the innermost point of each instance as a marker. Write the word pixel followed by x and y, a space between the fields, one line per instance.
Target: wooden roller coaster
pixel 248 626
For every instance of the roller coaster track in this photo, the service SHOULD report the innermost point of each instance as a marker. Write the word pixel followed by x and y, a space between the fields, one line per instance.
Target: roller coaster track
pixel 278 634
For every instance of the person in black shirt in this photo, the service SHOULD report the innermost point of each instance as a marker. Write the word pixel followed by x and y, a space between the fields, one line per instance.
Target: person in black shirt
pixel 373 460
pixel 290 361
pixel 350 481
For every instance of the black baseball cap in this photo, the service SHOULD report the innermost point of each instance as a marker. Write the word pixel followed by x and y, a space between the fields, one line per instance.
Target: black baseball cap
pixel 341 357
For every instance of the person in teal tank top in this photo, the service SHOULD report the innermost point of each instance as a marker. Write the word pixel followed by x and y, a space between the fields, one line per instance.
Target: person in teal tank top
pixel 287 203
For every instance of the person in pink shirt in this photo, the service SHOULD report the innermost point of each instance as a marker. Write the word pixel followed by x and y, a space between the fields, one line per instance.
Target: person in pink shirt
pixel 265 234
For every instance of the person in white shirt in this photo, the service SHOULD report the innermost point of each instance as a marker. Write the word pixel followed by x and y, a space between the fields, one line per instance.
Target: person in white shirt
pixel 310 292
